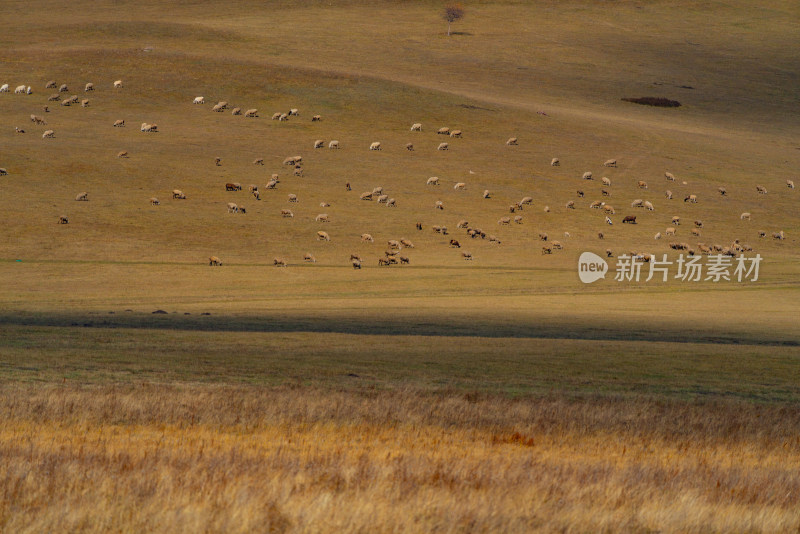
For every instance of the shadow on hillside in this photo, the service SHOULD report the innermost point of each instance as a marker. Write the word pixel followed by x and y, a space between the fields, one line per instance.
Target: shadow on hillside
pixel 645 330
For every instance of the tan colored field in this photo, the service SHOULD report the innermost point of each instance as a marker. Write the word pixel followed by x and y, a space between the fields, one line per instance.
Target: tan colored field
pixel 500 394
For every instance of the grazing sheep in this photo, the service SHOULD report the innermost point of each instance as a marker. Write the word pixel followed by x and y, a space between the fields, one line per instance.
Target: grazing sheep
pixel 455 133
pixel 393 244
pixel 642 184
pixel 256 194
pixel 439 205
pixel 609 221
pixel 443 146
pixel 669 231
pixel 178 194
pixel 154 201
pixel 467 256
pixel 555 162
pixel 649 205
pixel 657 236
pixel 4 88
pixel 546 250
pixel 668 194
pixel 404 259
pixel 233 208
pixel 218 162
pixel 272 184
pixel 638 203
pixel 50 85
pixel 276 116
pixel 283 117
pixel 419 226
pixel 605 192
pixel 323 236
pixel 722 191
pixel 391 203
pixel 504 221
pixel 676 220
pixel 54 97
pixel 298 171
pixel 383 262
pixel 579 193
pixel 357 264
pixel 462 224
pixel 486 194
pixel 333 144
pixel 279 262
pixel 695 232
pixel 790 184
pixel 236 111
pixel 37 119
pixel 213 260
pixel 292 197
pixel 322 217
pixel 460 186
pixel 366 196
pixel 120 123
pixel 526 200
pixel 609 209
pixel 416 127
pixel 63 220
pixel 85 103
pixel 118 84
pixel 631 219
pixel 18 130
pixel 547 209
pixel 367 238
pixel 316 118
pixel 377 190
pixel 518 219
pixel 406 243
pixel 309 257
pixel 512 141
pixel 443 131
pixel 761 190
pixel 3 172
pixel 251 113
pixel 235 186
pixel 294 112
pixel 698 224
pixel 745 215
pixel 290 161
pixel 606 181
pixel 494 239
pixel 375 146
pixel 410 147
pixel 597 204
pixel 382 199
pixel 455 244
pixel 218 108
pixel 48 134
pixel 691 198
pixel 669 176
pixel 571 205
pixel 62 89
pixel 123 154
pixel 287 213
pixel 610 163
pixel 778 235
pixel 319 143
pixel 433 180
pixel 199 100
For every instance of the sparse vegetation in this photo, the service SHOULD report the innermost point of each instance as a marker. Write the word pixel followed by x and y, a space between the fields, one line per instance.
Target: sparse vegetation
pixel 658 102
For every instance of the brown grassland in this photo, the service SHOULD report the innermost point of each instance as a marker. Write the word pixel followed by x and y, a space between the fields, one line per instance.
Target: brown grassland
pixel 498 395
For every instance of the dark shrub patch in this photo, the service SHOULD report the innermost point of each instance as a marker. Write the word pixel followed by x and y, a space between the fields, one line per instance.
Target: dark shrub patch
pixel 654 101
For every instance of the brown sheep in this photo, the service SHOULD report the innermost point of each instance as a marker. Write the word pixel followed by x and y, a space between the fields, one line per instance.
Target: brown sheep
pixel 642 184
pixel 455 244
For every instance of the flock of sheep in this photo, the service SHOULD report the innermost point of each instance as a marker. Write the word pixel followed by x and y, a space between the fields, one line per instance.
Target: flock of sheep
pixel 508 216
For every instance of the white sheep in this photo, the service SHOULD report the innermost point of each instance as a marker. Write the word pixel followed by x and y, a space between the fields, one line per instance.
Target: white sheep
pixel 649 205
pixel 657 236
pixel 638 203
pixel 410 147
pixel 444 130
pixel 642 184
pixel 233 208
pixel 118 84
pixel 292 197
pixel 123 154
pixel 236 111
pixel 309 257
pixel 85 103
pixel 438 205
pixel 333 144
pixel 606 181
pixel 587 175
pixel 745 216
pixel 608 221
pixel 119 123
pixel 416 127
pixel 319 143
pixel 443 146
pixel 486 194
pixel 455 133
pixel 214 261
pixel 512 141
pixel 19 90
pixel 88 87
pixel 323 236
pixel 555 162
pixel 504 221
pixel 48 134
pixel 391 203
pixel 367 238
pixel 790 184
pixel 761 190
pixel 84 197
pixel 610 163
pixel 154 201
pixel 433 180
pixel 460 186
pixel 199 100
pixel 375 146
pixel 251 113
pixel 294 112
pixel 322 217
pixel 316 118
pixel 287 213
pixel 276 116
pixel 669 176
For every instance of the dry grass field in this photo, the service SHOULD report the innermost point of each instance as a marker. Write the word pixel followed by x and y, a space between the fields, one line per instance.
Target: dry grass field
pixel 498 394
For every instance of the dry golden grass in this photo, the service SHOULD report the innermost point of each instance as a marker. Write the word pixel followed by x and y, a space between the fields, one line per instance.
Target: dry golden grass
pixel 307 460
